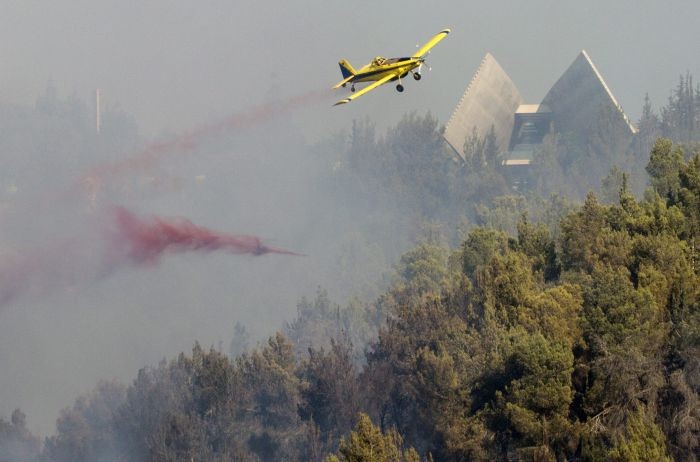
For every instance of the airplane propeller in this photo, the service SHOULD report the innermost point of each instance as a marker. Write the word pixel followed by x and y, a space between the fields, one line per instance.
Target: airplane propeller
pixel 417 73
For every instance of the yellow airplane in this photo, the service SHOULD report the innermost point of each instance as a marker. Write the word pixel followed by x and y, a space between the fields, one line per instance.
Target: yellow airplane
pixel 382 70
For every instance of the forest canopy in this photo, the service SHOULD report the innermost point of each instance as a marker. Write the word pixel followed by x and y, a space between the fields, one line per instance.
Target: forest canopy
pixel 546 324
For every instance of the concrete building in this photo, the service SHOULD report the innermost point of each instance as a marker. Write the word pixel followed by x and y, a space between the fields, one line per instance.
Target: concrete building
pixel 491 98
pixel 573 104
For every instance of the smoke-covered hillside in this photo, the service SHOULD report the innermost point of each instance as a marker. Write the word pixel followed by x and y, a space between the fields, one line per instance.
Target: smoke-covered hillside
pixel 209 261
pixel 516 313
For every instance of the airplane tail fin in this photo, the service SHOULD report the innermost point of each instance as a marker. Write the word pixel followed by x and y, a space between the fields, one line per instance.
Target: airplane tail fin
pixel 346 69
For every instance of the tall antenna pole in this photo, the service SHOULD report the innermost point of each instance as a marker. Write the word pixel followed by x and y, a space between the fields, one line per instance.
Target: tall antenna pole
pixel 98 112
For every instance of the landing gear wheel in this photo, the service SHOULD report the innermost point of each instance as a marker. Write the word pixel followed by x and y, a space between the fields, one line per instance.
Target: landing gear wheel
pixel 352 89
pixel 417 76
pixel 399 88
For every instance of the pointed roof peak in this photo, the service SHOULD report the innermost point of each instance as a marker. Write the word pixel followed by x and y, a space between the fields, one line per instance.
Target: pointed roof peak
pixel 584 82
pixel 490 98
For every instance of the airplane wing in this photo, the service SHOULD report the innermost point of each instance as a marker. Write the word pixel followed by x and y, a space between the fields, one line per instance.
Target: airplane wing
pixel 343 82
pixel 431 43
pixel 368 88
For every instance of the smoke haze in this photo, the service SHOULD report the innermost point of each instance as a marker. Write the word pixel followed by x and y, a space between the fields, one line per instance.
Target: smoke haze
pixel 176 64
pixel 219 112
pixel 189 141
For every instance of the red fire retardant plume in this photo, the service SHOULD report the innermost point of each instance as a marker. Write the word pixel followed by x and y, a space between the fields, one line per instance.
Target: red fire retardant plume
pixel 145 239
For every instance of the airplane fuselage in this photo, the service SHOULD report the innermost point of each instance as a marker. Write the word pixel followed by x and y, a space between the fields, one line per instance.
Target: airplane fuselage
pixel 372 71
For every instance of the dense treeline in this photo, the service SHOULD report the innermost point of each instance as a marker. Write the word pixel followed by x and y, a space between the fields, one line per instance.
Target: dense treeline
pixel 583 347
pixel 409 176
pixel 550 332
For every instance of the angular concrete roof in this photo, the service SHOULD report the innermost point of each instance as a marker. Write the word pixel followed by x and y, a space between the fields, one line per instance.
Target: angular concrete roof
pixel 491 98
pixel 579 94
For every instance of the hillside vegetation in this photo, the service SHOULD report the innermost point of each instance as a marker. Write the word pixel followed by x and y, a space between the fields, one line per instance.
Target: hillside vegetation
pixel 519 326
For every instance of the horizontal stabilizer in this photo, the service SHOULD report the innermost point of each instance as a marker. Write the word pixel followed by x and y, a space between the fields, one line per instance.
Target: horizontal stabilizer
pixel 368 88
pixel 343 82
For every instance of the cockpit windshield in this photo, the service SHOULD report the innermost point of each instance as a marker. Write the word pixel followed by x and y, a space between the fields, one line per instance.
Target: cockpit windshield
pixel 378 61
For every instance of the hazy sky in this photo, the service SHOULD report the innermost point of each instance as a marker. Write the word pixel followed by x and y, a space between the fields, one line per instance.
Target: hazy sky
pixel 173 64
pixel 176 64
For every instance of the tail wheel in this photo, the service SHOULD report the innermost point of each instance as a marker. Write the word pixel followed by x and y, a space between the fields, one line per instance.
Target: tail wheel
pixel 416 76
pixel 399 88
pixel 352 89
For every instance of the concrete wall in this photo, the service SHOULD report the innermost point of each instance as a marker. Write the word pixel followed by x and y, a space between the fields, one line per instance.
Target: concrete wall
pixel 490 99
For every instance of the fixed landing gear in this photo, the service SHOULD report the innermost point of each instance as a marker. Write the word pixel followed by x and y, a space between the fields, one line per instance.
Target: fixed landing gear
pixel 399 87
pixel 352 89
pixel 417 76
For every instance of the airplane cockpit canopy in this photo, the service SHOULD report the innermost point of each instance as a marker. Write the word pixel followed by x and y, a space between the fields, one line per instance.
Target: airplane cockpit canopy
pixel 378 61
